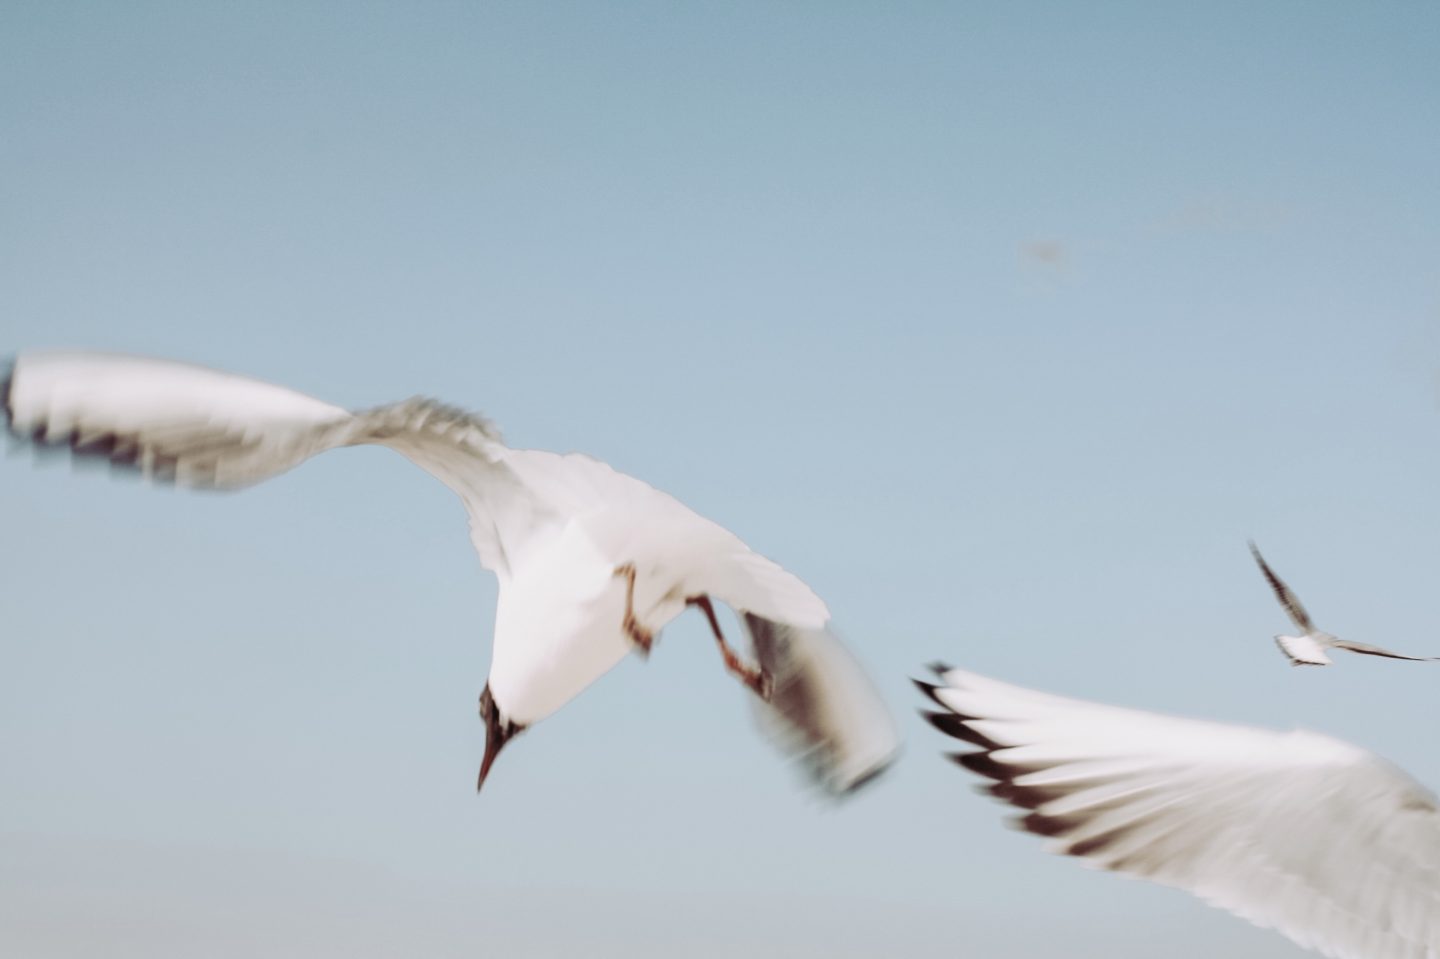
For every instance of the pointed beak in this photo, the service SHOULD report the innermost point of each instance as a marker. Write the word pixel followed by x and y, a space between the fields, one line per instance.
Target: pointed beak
pixel 497 734
pixel 495 740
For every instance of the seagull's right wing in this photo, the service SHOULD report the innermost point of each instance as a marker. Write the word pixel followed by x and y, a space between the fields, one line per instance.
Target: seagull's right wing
pixel 1332 846
pixel 203 428
pixel 1369 650
pixel 823 708
pixel 627 518
pixel 1288 599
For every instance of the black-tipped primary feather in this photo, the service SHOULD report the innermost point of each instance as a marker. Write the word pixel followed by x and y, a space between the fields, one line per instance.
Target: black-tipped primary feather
pixel 1332 846
pixel 929 689
pixel 958 726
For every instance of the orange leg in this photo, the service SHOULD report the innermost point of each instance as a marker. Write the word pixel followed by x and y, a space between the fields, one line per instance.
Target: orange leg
pixel 757 679
pixel 638 634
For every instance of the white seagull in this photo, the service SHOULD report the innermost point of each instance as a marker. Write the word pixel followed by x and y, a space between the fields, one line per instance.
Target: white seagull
pixel 1308 649
pixel 1330 845
pixel 592 563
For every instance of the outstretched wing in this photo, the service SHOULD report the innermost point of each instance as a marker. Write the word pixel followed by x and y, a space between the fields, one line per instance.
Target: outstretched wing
pixel 1288 599
pixel 1332 846
pixel 171 421
pixel 198 427
pixel 823 708
pixel 1368 650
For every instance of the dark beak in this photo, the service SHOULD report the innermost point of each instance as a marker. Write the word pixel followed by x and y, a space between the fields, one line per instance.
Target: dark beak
pixel 495 740
pixel 497 734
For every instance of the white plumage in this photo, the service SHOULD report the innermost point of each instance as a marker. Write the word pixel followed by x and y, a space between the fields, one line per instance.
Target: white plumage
pixel 561 533
pixel 1332 846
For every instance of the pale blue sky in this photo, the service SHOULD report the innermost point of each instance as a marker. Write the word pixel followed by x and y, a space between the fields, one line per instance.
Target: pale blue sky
pixel 1004 325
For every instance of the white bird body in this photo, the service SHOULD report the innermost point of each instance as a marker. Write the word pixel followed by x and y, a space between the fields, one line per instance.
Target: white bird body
pixel 565 605
pixel 562 533
pixel 1307 650
pixel 1332 846
pixel 564 638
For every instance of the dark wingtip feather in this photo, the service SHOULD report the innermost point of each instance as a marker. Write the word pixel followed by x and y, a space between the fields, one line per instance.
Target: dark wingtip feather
pixel 988 766
pixel 954 724
pixel 929 689
pixel 1021 796
pixel 959 758
pixel 1049 826
pixel 983 765
pixel 939 667
pixel 948 723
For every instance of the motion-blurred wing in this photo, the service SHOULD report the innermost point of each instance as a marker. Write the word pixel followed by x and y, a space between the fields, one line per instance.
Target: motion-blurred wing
pixel 171 421
pixel 823 708
pixel 1287 598
pixel 199 427
pixel 1332 846
pixel 1368 650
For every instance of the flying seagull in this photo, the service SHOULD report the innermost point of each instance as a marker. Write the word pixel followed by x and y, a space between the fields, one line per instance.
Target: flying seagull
pixel 592 563
pixel 1330 845
pixel 1308 649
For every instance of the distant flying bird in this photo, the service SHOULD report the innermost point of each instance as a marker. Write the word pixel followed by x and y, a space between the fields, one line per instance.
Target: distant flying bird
pixel 1308 649
pixel 592 563
pixel 1330 845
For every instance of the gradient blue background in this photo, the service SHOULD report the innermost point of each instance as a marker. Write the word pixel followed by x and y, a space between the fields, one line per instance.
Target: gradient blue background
pixel 1004 325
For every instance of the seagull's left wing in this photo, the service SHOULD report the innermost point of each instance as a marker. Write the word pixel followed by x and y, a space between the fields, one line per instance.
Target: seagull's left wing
pixel 1283 593
pixel 203 428
pixel 823 708
pixel 1330 845
pixel 170 421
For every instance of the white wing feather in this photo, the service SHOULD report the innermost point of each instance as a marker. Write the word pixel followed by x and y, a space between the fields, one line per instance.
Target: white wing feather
pixel 173 421
pixel 1330 845
pixel 628 518
pixel 203 428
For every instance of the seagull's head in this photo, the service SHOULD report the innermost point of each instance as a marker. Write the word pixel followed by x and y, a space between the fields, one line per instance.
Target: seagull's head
pixel 499 730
